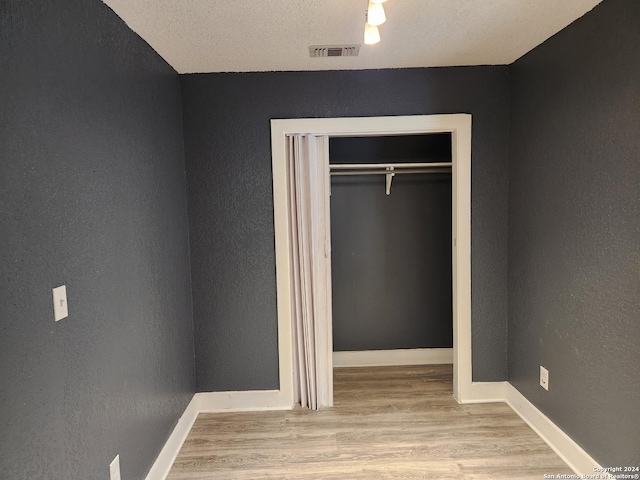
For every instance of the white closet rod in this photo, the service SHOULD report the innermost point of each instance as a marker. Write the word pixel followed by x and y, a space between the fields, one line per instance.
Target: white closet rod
pixel 389 169
pixel 393 172
pixel 373 166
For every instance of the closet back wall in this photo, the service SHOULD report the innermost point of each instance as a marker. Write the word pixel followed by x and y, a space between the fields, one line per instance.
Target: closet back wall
pixel 391 255
pixel 229 182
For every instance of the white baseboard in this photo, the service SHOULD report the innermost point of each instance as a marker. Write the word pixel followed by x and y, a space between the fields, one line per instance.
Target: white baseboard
pixel 211 402
pixel 169 452
pixel 486 392
pixel 247 401
pixel 405 356
pixel 569 451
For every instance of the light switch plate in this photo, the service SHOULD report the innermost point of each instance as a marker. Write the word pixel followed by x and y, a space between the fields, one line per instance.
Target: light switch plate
pixel 114 469
pixel 60 307
pixel 544 378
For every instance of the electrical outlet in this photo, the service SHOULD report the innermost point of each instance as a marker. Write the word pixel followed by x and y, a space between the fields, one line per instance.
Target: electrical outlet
pixel 544 378
pixel 60 307
pixel 114 469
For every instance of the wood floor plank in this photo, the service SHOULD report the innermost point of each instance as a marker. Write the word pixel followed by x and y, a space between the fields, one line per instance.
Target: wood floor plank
pixel 387 423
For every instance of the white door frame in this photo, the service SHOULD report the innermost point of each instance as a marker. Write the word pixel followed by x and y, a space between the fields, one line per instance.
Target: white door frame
pixel 459 125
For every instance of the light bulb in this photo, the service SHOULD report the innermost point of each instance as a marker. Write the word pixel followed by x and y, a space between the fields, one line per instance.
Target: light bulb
pixel 375 14
pixel 371 34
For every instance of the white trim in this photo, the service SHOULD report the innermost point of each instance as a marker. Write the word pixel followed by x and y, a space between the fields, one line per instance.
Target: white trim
pixel 459 125
pixel 211 402
pixel 569 451
pixel 403 356
pixel 247 401
pixel 485 392
pixel 162 466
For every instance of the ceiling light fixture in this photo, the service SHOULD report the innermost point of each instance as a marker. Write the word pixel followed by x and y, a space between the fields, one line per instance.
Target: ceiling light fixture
pixel 375 16
pixel 371 34
pixel 375 13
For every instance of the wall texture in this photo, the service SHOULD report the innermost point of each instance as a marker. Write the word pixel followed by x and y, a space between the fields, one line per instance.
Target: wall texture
pixel 391 255
pixel 227 143
pixel 92 195
pixel 574 230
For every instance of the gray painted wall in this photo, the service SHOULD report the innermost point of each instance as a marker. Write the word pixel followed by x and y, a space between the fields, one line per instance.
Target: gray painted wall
pixel 391 255
pixel 92 195
pixel 227 142
pixel 574 230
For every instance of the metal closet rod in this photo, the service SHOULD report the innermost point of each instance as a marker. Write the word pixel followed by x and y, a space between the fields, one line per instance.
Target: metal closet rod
pixel 373 166
pixel 389 169
pixel 393 172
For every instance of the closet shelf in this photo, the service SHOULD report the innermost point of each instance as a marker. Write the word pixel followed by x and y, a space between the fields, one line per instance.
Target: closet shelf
pixel 373 166
pixel 389 169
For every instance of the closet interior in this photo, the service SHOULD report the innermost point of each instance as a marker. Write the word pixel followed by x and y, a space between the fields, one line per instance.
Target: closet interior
pixel 391 242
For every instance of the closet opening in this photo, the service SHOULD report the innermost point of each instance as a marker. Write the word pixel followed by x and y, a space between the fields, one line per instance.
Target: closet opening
pixel 310 139
pixel 391 255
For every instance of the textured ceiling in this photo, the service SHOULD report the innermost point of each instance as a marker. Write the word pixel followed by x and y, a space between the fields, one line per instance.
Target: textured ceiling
pixel 264 35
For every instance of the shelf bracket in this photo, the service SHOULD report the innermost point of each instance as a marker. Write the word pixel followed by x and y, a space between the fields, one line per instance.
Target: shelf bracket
pixel 389 176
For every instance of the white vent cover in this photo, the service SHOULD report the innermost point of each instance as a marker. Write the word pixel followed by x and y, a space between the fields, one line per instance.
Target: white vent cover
pixel 334 50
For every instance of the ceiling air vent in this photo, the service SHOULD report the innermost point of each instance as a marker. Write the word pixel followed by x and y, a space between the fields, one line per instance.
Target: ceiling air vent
pixel 334 50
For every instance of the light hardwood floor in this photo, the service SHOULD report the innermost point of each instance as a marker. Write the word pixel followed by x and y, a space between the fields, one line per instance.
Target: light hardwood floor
pixel 387 422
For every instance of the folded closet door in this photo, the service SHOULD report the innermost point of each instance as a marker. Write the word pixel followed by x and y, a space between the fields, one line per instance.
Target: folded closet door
pixel 308 176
